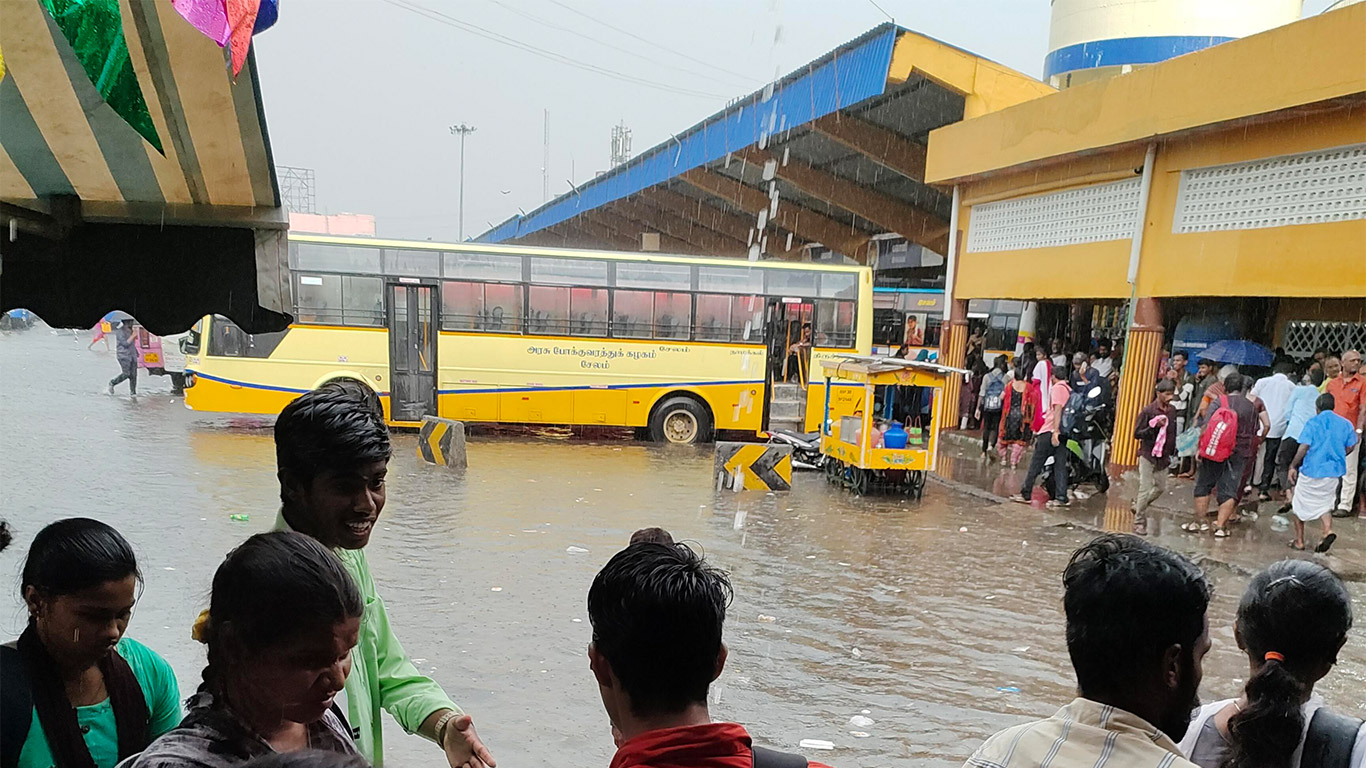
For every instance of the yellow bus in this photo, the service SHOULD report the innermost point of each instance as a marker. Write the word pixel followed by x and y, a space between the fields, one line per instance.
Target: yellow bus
pixel 680 346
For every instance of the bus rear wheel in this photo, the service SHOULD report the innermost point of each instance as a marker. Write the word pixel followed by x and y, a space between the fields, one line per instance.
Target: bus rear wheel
pixel 680 420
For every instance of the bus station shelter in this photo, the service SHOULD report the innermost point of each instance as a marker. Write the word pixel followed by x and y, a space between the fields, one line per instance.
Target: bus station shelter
pixel 94 216
pixel 1231 175
pixel 823 162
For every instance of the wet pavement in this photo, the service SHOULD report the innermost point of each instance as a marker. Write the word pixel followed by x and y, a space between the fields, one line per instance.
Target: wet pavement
pixel 843 604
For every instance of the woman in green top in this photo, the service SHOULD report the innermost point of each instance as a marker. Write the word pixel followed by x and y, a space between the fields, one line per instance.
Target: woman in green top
pixel 76 692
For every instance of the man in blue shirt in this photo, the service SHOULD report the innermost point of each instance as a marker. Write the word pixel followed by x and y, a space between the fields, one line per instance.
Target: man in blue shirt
pixel 1318 468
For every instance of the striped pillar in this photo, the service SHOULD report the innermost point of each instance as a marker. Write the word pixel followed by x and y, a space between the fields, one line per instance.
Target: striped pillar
pixel 953 350
pixel 1142 354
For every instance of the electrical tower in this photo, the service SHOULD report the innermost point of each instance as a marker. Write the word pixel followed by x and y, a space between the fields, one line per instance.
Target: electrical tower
pixel 621 144
pixel 297 188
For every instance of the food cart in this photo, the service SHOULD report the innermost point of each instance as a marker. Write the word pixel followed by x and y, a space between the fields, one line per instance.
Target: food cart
pixel 904 395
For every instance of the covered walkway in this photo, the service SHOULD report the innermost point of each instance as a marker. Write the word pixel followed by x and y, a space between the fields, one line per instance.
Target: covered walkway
pixel 1232 176
pixel 827 159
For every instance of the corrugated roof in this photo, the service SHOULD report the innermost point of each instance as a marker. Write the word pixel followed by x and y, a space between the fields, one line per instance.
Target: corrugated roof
pixel 854 72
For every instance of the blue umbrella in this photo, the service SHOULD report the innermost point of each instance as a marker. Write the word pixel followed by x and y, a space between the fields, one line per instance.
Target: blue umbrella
pixel 1238 352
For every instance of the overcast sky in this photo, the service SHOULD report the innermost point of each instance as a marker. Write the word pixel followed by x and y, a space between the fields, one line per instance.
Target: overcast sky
pixel 364 91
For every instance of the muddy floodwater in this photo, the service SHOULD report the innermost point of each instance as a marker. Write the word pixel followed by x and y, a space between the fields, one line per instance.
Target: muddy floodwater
pixel 939 620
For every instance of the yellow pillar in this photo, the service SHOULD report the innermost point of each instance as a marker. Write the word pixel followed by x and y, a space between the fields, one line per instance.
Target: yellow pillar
pixel 1142 353
pixel 953 349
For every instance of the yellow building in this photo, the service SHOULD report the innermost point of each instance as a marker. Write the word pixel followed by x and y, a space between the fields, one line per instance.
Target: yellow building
pixel 1233 178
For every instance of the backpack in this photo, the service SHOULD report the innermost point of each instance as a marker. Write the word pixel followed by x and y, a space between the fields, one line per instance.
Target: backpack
pixel 1220 434
pixel 1076 402
pixel 767 758
pixel 996 388
pixel 17 705
pixel 1329 741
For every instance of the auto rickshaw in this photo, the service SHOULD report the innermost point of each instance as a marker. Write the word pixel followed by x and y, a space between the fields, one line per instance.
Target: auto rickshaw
pixel 905 395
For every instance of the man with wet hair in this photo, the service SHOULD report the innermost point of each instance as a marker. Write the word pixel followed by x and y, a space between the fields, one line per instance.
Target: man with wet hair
pixel 332 451
pixel 1137 634
pixel 657 612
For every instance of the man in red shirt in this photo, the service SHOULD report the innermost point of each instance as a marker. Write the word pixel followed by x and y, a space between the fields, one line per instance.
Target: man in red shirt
pixel 1346 390
pixel 657 611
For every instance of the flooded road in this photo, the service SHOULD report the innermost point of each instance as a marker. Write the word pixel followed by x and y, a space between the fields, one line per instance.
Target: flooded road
pixel 842 604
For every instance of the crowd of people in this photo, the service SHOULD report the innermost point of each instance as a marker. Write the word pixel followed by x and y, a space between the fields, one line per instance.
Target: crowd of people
pixel 1021 403
pixel 78 691
pixel 1301 423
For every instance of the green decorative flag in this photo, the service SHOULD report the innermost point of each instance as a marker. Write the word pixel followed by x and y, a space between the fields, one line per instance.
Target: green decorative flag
pixel 94 28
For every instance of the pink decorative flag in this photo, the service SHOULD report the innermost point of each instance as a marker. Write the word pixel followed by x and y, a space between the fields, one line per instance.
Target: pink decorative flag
pixel 241 20
pixel 207 16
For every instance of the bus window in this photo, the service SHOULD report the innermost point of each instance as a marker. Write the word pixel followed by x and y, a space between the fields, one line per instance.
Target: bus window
pixel 482 266
pixel 588 308
pixel 835 323
pixel 461 306
pixel 730 280
pixel 410 261
pixel 673 315
pixel 668 276
pixel 568 271
pixel 713 317
pixel 839 285
pixel 362 300
pixel 319 299
pixel 190 345
pixel 227 340
pixel 330 257
pixel 547 310
pixel 632 314
pixel 791 282
pixel 747 319
pixel 889 328
pixel 502 308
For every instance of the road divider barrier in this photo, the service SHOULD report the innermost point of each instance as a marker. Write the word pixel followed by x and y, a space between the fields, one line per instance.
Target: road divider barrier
pixel 442 442
pixel 753 467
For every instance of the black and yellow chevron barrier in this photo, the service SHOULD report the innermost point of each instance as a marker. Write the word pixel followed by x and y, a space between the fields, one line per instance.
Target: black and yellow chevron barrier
pixel 442 441
pixel 754 466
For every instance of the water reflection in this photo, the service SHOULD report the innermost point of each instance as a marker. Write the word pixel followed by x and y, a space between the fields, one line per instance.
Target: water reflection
pixel 919 612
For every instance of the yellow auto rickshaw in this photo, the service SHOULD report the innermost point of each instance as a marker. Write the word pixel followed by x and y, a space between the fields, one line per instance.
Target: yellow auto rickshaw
pixel 891 439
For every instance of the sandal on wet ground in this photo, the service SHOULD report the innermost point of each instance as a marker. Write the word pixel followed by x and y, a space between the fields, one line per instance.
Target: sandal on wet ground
pixel 1195 527
pixel 1326 543
pixel 1298 546
pixel 1220 533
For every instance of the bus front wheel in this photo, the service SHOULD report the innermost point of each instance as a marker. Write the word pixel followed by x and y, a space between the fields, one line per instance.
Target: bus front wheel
pixel 680 420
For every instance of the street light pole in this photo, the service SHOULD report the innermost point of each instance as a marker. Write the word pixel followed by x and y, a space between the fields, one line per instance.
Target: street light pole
pixel 462 131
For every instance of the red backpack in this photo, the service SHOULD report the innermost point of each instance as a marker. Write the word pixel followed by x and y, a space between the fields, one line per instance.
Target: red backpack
pixel 1220 434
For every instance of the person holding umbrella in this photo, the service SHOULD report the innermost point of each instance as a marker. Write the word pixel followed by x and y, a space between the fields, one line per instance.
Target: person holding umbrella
pixel 127 353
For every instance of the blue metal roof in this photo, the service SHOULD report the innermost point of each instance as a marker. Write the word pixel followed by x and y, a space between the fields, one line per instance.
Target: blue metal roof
pixel 852 73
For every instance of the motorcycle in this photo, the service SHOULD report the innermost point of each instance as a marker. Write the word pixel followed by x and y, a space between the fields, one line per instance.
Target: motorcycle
pixel 1088 444
pixel 806 448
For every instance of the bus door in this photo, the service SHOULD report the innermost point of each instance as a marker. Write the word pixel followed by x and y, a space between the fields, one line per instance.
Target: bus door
pixel 412 351
pixel 787 319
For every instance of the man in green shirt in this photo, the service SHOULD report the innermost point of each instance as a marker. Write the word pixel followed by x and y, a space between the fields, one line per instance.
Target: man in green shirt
pixel 332 451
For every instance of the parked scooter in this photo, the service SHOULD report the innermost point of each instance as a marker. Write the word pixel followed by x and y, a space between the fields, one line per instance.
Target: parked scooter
pixel 1088 443
pixel 806 448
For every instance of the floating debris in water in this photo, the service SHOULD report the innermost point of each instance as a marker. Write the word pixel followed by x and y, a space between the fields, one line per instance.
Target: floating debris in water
pixel 766 619
pixel 1007 689
pixel 861 721
pixel 816 744
pixel 573 550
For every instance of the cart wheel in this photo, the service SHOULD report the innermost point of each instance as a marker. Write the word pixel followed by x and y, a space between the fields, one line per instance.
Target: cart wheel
pixel 918 483
pixel 863 479
pixel 832 470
